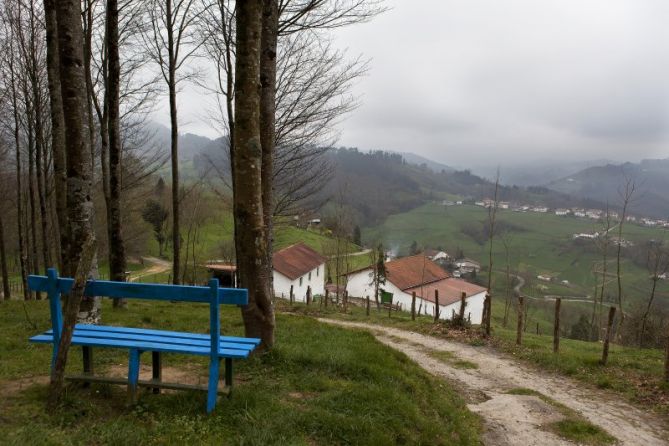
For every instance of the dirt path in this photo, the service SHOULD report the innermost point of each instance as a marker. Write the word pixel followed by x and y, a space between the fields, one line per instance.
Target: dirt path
pixel 157 266
pixel 518 419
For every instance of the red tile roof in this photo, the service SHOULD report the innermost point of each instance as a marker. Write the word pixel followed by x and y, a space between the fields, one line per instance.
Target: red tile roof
pixel 450 290
pixel 411 271
pixel 296 260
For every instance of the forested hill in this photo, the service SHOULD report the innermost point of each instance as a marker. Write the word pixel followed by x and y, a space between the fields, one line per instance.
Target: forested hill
pixel 376 184
pixel 604 183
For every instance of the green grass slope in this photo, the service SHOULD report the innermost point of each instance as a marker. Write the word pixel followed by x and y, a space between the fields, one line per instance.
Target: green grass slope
pixel 320 385
pixel 538 244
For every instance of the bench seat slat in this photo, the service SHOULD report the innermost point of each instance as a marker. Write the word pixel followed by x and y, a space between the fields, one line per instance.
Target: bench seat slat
pixel 144 345
pixel 152 291
pixel 166 333
pixel 161 339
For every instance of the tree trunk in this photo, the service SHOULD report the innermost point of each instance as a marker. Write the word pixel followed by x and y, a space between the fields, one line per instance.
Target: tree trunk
pixel 607 338
pixel 413 305
pixel 6 292
pixel 117 260
pixel 79 204
pixel 268 49
pixel 39 170
pixel 436 305
pixel 556 326
pixel 644 318
pixel 57 133
pixel 34 258
pixel 19 189
pixel 174 147
pixel 258 315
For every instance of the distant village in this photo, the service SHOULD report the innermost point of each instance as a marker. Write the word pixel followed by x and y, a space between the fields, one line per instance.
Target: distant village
pixel 593 214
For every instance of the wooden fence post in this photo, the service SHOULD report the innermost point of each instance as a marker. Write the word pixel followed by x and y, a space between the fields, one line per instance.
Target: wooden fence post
pixel 463 305
pixel 556 326
pixel 519 325
pixel 390 306
pixel 436 305
pixel 488 317
pixel 367 305
pixel 291 295
pixel 666 362
pixel 308 294
pixel 327 297
pixel 413 305
pixel 607 338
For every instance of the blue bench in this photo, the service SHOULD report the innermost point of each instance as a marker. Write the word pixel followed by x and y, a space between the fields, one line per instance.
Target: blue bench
pixel 140 340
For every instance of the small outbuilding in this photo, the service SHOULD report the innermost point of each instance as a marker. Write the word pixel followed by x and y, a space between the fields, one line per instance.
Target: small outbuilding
pixel 301 267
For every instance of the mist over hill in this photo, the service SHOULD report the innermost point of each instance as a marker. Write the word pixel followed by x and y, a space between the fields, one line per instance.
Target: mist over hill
pixel 604 183
pixel 375 184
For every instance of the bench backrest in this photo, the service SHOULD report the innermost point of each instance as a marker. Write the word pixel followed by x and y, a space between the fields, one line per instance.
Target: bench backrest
pixel 54 286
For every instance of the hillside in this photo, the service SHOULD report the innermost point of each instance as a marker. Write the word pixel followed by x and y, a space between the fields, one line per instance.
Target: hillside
pixel 539 244
pixel 603 183
pixel 377 184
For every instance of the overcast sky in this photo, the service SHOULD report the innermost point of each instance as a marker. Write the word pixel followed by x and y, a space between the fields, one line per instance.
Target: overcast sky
pixel 469 82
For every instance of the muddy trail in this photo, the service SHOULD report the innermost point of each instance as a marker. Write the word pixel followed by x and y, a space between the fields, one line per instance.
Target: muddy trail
pixel 511 419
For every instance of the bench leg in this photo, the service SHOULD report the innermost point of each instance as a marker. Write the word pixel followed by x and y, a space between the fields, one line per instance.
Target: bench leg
pixel 87 353
pixel 157 365
pixel 133 375
pixel 212 390
pixel 228 374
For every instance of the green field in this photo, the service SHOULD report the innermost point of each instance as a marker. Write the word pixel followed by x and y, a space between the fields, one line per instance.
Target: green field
pixel 538 244
pixel 320 385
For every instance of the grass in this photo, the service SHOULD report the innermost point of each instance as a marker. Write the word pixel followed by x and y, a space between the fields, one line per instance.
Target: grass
pixel 320 385
pixel 538 244
pixel 573 426
pixel 634 373
pixel 450 359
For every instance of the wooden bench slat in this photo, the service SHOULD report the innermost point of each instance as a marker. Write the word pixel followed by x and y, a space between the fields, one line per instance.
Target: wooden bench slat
pixel 167 333
pixel 161 339
pixel 152 291
pixel 145 346
pixel 144 383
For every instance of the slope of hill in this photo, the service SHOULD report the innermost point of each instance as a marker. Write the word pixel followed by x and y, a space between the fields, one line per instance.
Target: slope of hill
pixel 604 184
pixel 418 160
pixel 377 184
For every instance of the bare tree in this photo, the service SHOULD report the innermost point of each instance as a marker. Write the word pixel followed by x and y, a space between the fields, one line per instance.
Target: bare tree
pixel 258 315
pixel 312 84
pixel 492 219
pixel 626 194
pixel 171 41
pixel 602 242
pixel 57 132
pixel 117 259
pixel 506 242
pixel 11 76
pixel 657 264
pixel 79 204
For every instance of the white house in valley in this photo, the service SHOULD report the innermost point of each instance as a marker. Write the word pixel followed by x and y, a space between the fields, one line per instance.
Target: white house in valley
pixel 418 274
pixel 300 266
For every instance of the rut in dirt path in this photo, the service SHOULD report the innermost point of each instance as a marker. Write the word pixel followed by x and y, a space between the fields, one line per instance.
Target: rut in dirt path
pixel 518 419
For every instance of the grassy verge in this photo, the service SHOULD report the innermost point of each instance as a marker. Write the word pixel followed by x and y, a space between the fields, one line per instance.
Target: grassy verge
pixel 573 426
pixel 635 373
pixel 320 385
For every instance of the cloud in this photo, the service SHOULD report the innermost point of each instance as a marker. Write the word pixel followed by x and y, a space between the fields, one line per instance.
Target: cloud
pixel 467 81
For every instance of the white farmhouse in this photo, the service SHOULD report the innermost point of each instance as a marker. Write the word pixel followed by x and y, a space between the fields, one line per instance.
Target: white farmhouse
pixel 418 274
pixel 300 266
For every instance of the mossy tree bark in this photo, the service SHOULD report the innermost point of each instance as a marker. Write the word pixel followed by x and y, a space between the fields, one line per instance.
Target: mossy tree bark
pixel 251 240
pixel 79 204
